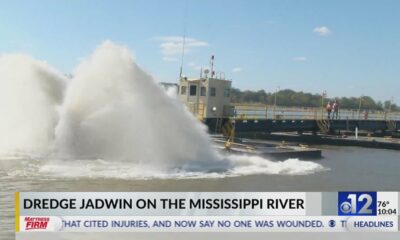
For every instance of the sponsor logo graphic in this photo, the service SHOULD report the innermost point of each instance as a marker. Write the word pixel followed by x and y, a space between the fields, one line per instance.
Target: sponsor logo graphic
pixel 35 223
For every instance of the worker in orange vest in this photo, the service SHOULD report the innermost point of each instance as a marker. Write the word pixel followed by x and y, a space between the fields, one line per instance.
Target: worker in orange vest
pixel 329 109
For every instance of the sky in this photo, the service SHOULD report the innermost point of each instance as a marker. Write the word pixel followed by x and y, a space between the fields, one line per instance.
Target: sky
pixel 346 48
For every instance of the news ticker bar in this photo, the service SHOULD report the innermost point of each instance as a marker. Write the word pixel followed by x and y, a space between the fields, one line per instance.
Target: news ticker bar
pixel 206 211
pixel 209 224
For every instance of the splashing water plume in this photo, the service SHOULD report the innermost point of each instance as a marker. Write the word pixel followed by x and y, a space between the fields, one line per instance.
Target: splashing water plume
pixel 114 121
pixel 114 110
pixel 30 92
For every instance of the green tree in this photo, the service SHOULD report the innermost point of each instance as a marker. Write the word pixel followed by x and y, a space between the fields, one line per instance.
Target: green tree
pixel 288 97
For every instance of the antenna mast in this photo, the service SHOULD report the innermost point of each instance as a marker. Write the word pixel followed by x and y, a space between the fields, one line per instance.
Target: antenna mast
pixel 184 40
pixel 212 66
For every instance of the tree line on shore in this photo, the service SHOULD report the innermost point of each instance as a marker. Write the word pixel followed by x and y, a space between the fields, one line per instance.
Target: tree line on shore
pixel 292 98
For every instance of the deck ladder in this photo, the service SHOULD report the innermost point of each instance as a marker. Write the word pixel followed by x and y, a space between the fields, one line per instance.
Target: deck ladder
pixel 227 129
pixel 323 125
pixel 391 125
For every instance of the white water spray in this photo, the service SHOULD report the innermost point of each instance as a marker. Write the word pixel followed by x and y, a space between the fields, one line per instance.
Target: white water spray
pixel 30 92
pixel 115 121
pixel 114 110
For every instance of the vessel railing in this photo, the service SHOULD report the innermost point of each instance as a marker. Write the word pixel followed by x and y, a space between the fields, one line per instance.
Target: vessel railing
pixel 260 111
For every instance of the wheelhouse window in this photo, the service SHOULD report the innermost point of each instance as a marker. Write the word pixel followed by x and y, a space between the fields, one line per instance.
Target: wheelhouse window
pixel 203 91
pixel 213 92
pixel 227 92
pixel 193 90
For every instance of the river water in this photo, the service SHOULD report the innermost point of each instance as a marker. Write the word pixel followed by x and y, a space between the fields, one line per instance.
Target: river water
pixel 346 168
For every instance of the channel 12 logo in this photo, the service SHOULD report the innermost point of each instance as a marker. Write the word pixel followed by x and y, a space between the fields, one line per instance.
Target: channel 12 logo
pixel 357 204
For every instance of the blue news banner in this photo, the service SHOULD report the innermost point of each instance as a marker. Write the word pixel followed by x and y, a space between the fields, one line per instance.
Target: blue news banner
pixel 207 212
